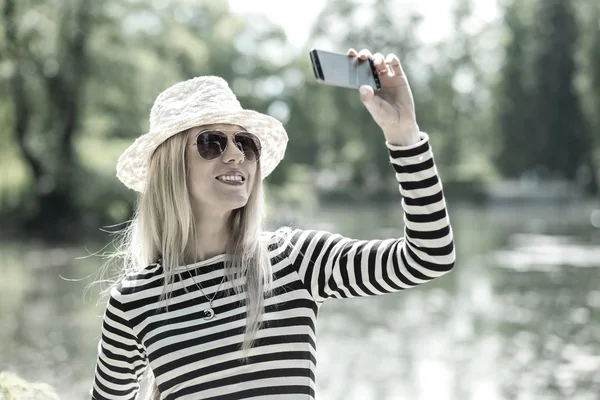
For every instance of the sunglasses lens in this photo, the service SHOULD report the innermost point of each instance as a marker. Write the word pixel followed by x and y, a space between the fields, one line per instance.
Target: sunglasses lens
pixel 249 145
pixel 211 144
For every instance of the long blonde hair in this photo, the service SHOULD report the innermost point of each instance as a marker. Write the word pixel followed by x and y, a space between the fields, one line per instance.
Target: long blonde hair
pixel 163 228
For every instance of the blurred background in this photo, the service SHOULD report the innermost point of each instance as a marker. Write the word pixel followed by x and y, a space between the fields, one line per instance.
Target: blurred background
pixel 509 92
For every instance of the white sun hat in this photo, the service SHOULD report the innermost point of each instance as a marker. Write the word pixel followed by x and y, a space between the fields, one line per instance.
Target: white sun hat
pixel 199 101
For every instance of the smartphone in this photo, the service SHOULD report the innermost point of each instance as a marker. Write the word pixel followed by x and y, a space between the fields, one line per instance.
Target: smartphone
pixel 342 70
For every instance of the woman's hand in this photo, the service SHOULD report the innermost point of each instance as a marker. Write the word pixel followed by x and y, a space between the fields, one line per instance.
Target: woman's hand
pixel 392 106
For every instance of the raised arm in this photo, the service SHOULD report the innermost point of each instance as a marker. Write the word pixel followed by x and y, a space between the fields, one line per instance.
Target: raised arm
pixel 331 265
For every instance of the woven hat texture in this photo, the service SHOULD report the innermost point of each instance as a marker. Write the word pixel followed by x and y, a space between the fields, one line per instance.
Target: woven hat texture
pixel 199 101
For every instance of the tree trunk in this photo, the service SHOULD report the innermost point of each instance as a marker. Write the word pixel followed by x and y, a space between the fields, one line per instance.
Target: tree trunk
pixel 55 174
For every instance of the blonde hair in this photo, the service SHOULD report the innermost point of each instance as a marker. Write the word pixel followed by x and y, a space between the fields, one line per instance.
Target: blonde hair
pixel 163 227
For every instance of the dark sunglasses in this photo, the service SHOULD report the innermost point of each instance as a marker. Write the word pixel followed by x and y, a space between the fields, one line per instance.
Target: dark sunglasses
pixel 211 144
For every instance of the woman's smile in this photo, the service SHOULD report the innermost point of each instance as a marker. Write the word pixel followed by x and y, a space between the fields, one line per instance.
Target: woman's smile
pixel 233 178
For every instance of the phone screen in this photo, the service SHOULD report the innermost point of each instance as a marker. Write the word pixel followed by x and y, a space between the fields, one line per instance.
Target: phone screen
pixel 341 70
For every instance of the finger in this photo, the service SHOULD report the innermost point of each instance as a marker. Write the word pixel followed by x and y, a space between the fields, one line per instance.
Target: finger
pixel 393 63
pixel 364 54
pixel 379 63
pixel 351 52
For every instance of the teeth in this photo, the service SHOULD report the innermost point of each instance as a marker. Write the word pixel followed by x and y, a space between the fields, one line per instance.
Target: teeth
pixel 230 178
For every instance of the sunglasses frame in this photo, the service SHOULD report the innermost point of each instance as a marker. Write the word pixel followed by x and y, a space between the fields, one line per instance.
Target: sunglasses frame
pixel 252 136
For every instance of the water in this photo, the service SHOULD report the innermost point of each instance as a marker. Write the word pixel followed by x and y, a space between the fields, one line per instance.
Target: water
pixel 518 318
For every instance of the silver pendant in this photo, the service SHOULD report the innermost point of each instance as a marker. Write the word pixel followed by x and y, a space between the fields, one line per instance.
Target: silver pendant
pixel 209 314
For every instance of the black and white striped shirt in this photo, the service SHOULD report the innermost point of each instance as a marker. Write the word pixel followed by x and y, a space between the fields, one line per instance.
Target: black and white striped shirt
pixel 194 358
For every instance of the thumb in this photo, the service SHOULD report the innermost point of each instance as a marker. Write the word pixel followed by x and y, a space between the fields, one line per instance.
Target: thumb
pixel 371 102
pixel 366 93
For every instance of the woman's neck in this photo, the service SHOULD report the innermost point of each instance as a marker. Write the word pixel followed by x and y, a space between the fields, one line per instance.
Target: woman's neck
pixel 212 234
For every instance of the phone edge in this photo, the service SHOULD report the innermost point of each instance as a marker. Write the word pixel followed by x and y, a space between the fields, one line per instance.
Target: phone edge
pixel 314 60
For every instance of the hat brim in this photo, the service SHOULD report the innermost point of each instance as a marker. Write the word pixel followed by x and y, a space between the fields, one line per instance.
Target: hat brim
pixel 133 164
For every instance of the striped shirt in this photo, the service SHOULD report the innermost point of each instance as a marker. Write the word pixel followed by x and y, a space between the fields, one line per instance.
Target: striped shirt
pixel 194 358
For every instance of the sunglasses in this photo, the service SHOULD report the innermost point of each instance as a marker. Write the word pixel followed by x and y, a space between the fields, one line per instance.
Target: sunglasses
pixel 211 144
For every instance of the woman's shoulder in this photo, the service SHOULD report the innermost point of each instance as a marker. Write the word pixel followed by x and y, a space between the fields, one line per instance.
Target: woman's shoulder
pixel 289 233
pixel 287 237
pixel 274 237
pixel 138 280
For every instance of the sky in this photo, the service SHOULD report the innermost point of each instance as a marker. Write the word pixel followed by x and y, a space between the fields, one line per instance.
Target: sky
pixel 297 17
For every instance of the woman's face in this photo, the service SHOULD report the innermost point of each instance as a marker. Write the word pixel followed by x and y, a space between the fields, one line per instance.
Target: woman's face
pixel 210 190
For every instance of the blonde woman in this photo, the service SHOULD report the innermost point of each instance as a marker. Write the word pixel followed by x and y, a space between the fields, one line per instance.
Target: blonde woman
pixel 209 303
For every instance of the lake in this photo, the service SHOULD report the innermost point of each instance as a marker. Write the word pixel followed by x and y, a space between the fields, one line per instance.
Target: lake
pixel 518 318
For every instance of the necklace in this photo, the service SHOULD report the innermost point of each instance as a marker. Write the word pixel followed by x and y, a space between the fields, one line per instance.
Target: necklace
pixel 209 313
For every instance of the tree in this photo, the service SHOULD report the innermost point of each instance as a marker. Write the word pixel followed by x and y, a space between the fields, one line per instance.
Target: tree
pixel 561 130
pixel 458 92
pixel 47 83
pixel 593 52
pixel 517 148
pixel 81 95
pixel 338 138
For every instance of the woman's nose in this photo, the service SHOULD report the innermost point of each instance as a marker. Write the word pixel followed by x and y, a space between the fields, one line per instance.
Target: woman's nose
pixel 233 153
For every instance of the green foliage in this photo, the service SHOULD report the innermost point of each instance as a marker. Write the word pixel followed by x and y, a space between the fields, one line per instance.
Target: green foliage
pixel 516 146
pixel 12 387
pixel 543 128
pixel 80 96
pixel 80 78
pixel 560 129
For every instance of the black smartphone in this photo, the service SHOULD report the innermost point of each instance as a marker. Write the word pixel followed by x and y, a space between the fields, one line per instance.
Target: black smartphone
pixel 342 70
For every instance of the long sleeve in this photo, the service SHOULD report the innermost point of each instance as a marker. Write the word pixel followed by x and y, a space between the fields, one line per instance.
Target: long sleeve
pixel 121 359
pixel 333 266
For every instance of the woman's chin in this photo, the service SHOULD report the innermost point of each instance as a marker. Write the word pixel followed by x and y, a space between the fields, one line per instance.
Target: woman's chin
pixel 233 202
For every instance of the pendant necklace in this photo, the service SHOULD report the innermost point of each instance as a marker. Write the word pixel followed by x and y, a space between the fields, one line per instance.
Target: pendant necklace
pixel 209 313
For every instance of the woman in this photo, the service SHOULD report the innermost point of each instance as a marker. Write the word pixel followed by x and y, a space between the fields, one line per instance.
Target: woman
pixel 213 306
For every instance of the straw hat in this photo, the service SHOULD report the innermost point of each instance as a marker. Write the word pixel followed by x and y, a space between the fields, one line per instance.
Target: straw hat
pixel 199 101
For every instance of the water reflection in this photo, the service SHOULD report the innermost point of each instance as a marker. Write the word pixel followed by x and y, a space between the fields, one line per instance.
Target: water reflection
pixel 519 318
pixel 48 326
pixel 550 322
pixel 546 252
